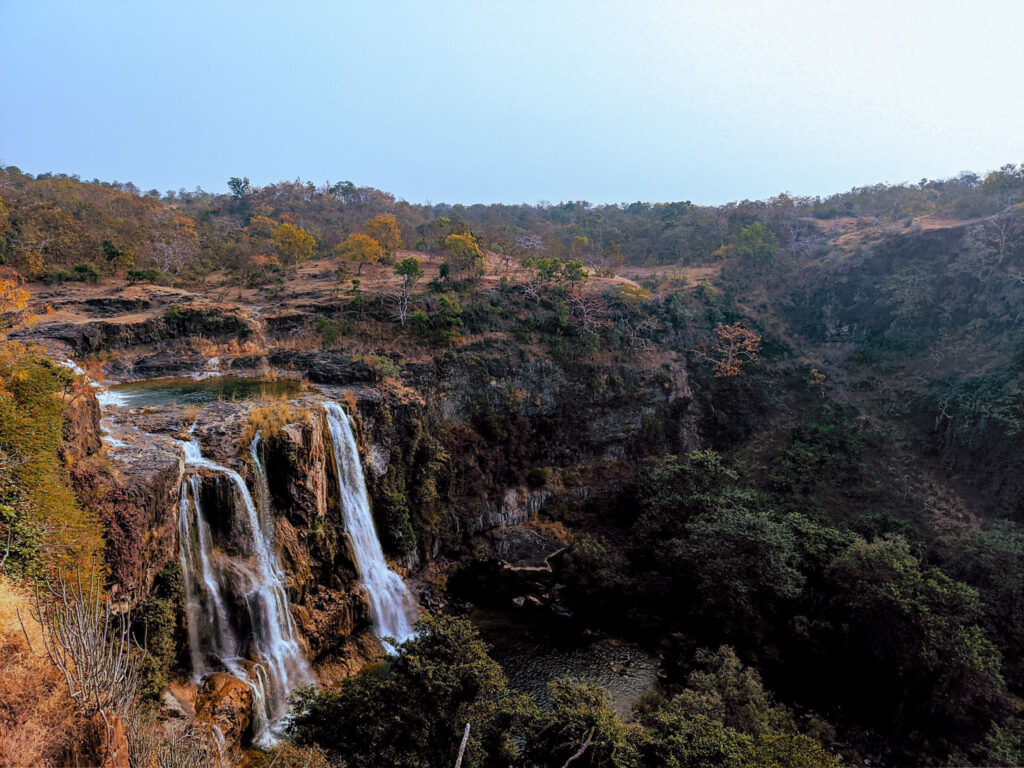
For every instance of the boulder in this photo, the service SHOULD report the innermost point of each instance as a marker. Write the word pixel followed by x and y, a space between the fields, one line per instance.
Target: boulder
pixel 225 702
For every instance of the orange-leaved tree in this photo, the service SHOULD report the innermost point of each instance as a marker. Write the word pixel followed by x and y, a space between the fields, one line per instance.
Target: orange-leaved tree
pixel 293 244
pixel 385 230
pixel 731 348
pixel 360 249
pixel 13 304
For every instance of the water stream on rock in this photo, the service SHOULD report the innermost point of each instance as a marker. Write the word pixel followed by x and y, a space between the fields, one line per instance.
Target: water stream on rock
pixel 393 609
pixel 237 607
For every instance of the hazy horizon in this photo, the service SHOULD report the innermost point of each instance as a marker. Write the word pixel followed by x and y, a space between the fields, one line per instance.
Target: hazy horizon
pixel 517 102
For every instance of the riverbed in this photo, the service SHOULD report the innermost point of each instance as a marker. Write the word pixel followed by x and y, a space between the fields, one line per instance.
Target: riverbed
pixel 533 655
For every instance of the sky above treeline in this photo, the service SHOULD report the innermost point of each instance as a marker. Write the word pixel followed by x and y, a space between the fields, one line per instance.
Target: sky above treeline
pixel 515 101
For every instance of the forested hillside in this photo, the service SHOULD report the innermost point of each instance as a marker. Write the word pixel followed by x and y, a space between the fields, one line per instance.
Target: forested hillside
pixel 775 444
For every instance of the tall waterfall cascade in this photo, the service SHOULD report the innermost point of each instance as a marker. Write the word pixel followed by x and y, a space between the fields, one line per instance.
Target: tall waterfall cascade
pixel 236 605
pixel 393 609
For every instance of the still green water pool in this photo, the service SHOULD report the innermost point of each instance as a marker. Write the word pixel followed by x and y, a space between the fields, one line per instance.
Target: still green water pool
pixel 187 391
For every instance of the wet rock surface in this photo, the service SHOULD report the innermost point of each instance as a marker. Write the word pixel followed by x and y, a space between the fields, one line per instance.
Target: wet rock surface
pixel 316 552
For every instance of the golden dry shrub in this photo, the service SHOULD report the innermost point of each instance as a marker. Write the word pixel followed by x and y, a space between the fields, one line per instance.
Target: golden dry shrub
pixel 37 716
pixel 268 418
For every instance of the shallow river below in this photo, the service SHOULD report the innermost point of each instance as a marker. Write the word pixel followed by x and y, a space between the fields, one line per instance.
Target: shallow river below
pixel 532 658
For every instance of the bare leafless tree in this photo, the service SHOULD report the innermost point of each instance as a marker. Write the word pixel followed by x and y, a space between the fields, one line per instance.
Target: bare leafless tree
pixel 189 746
pixel 638 329
pixel 144 738
pixel 531 289
pixel 90 643
pixel 593 310
pixel 1004 226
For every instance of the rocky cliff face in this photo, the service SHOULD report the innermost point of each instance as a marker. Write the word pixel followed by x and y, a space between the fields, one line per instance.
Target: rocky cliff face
pixel 135 496
pixel 84 338
pixel 329 605
pixel 481 438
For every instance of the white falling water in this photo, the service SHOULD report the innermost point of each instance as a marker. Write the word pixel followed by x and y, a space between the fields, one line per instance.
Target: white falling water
pixel 262 646
pixel 393 609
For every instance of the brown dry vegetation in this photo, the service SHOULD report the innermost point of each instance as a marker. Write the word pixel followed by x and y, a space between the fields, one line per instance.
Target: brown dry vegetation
pixel 37 716
pixel 269 418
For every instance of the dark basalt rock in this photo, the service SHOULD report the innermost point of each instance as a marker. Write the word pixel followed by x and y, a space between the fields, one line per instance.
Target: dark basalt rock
pixel 136 500
pixel 92 337
pixel 521 547
pixel 167 363
pixel 109 305
pixel 325 367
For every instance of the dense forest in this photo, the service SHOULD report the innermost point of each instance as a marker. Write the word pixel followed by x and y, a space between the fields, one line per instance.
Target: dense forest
pixel 776 444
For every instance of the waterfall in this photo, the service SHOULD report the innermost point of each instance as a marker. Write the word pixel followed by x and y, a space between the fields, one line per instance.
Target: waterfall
pixel 257 642
pixel 393 609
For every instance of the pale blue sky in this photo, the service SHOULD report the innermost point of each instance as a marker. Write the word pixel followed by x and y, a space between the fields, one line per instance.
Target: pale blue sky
pixel 514 101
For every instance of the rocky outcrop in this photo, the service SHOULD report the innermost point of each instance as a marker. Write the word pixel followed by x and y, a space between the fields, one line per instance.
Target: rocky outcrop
pixel 517 506
pixel 577 410
pixel 166 363
pixel 136 500
pixel 526 549
pixel 88 338
pixel 334 367
pixel 102 743
pixel 330 607
pixel 224 702
pixel 81 426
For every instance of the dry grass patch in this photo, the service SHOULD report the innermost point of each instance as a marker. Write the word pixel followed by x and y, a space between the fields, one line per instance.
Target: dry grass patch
pixel 269 418
pixel 37 716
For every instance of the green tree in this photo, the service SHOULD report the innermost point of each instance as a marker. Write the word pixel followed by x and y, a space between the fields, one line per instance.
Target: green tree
pixel 932 667
pixel 120 260
pixel 789 750
pixel 464 254
pixel 240 187
pixel 992 561
pixel 411 711
pixel 574 272
pixel 410 271
pixel 582 720
pixel 441 327
pixel 676 738
pixel 757 244
pixel 723 689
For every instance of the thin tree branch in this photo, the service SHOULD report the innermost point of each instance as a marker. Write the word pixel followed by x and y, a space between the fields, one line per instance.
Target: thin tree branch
pixel 581 750
pixel 462 747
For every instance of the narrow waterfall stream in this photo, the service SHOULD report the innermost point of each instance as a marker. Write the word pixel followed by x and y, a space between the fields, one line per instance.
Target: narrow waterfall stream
pixel 393 609
pixel 256 641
